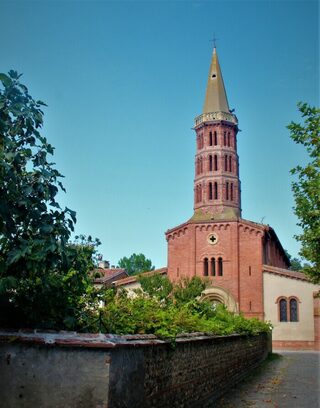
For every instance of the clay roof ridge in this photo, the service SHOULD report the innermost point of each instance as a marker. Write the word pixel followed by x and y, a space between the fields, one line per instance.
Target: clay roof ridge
pixel 285 272
pixel 133 278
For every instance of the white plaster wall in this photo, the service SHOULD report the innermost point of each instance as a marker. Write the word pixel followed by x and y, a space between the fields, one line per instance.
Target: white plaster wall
pixel 130 288
pixel 275 286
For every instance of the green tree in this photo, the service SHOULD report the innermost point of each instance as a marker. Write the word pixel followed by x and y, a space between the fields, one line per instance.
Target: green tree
pixel 306 188
pixel 188 289
pixel 156 286
pixel 135 264
pixel 42 276
pixel 296 263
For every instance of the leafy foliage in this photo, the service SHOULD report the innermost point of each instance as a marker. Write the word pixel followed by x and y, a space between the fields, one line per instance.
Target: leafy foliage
pixel 42 276
pixel 296 263
pixel 307 187
pixel 166 313
pixel 188 289
pixel 156 286
pixel 135 264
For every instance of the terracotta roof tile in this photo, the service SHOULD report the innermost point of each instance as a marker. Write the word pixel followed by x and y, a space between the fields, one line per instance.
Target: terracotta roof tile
pixel 133 278
pixel 285 272
pixel 107 280
pixel 107 271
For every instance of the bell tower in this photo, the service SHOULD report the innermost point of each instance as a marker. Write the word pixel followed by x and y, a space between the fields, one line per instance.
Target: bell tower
pixel 216 184
pixel 217 243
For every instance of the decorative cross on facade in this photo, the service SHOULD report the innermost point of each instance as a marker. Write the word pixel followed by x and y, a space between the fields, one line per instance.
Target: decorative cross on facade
pixel 213 239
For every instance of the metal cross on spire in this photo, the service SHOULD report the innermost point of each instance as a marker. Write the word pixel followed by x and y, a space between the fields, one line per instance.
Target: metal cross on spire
pixel 214 40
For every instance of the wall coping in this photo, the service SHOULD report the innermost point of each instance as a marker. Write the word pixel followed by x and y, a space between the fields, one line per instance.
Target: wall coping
pixel 100 340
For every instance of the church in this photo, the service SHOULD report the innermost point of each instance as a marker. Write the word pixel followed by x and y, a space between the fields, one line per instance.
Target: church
pixel 244 262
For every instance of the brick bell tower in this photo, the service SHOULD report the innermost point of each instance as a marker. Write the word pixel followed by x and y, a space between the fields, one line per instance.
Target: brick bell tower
pixel 216 243
pixel 216 183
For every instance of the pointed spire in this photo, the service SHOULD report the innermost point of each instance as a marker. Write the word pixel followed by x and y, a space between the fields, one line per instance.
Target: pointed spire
pixel 216 97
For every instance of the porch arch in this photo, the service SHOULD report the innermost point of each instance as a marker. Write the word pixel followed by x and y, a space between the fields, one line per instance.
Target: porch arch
pixel 217 294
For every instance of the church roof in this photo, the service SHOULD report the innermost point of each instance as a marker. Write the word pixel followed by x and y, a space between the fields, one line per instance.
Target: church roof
pixel 285 272
pixel 216 97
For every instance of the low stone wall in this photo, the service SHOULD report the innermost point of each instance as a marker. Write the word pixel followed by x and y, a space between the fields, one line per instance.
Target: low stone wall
pixel 70 370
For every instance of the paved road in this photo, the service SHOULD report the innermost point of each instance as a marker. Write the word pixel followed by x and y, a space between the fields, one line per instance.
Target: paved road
pixel 287 380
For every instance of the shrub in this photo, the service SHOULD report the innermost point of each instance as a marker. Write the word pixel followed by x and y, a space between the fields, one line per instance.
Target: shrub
pixel 180 311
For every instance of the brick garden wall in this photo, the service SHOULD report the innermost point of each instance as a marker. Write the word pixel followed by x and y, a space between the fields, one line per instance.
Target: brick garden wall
pixel 73 370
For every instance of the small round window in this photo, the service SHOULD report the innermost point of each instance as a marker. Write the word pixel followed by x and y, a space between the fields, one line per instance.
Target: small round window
pixel 212 238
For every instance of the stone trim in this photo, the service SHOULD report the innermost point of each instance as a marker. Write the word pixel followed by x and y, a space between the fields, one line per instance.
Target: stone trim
pixel 100 340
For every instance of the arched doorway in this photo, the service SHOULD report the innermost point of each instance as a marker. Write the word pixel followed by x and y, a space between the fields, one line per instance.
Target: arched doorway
pixel 217 295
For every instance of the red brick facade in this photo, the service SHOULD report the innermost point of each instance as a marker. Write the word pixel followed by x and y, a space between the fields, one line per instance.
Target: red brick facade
pixel 316 314
pixel 242 248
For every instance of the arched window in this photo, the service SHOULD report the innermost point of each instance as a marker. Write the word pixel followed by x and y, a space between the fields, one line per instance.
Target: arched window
pixel 220 267
pixel 293 310
pixel 288 309
pixel 198 193
pixel 215 162
pixel 230 164
pixel 215 138
pixel 210 139
pixel 225 162
pixel 283 310
pixel 224 138
pixel 205 267
pixel 201 141
pixel 213 267
pixel 210 162
pixel 227 190
pixel 210 191
pixel 231 191
pixel 201 166
pixel 229 139
pixel 216 190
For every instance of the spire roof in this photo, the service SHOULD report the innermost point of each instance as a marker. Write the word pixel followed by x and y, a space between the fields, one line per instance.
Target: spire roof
pixel 216 97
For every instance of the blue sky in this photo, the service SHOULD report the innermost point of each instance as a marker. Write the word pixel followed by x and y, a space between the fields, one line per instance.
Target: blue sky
pixel 123 82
